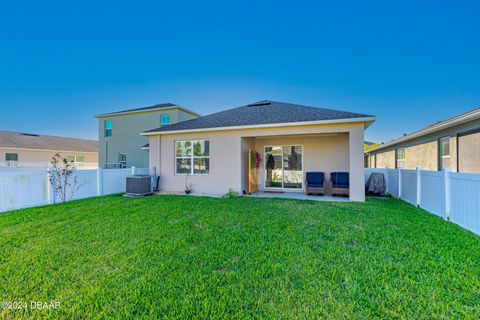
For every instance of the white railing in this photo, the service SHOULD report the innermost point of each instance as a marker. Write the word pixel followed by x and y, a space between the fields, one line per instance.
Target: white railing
pixel 23 188
pixel 452 196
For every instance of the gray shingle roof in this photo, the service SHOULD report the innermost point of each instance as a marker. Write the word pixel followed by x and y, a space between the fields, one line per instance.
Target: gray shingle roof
pixel 10 139
pixel 155 106
pixel 258 113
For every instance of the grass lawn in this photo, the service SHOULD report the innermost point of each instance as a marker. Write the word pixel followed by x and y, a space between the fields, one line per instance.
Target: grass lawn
pixel 192 257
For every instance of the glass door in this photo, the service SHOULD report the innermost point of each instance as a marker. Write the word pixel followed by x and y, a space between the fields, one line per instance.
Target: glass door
pixel 292 167
pixel 283 167
pixel 273 167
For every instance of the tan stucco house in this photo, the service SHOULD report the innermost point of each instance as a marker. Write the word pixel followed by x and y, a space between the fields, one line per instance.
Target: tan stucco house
pixel 452 144
pixel 18 149
pixel 120 144
pixel 212 152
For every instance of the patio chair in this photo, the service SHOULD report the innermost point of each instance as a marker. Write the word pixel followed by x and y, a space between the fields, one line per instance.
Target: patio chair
pixel 340 183
pixel 315 183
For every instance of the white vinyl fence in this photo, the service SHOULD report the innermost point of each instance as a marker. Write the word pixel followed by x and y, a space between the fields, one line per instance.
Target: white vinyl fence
pixel 31 187
pixel 450 195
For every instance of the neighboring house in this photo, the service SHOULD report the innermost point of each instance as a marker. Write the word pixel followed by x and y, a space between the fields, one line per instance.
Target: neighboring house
pixel 19 149
pixel 213 150
pixel 451 144
pixel 119 140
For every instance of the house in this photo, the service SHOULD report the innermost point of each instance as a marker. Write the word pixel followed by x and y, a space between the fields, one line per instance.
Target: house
pixel 451 144
pixel 119 140
pixel 211 153
pixel 19 149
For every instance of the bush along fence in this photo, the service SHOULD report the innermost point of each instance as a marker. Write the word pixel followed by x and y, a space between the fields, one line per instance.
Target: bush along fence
pixel 452 196
pixel 30 188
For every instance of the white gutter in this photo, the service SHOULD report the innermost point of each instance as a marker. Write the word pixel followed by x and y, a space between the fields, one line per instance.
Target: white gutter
pixel 267 125
pixel 469 116
pixel 147 110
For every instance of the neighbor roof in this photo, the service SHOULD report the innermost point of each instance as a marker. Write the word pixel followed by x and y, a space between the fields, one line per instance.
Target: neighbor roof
pixel 262 113
pixel 19 140
pixel 441 125
pixel 149 108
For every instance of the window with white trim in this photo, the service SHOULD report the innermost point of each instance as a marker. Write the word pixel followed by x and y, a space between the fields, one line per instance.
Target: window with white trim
pixel 192 157
pixel 108 128
pixel 75 158
pixel 444 153
pixel 400 157
pixel 122 160
pixel 164 119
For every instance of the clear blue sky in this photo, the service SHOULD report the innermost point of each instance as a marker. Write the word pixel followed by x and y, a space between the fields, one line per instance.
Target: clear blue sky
pixel 410 63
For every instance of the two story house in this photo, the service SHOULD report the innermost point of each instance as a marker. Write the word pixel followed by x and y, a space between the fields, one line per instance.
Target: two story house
pixel 120 144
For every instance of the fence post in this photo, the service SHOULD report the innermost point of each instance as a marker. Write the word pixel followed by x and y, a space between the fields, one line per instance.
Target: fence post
pixel 99 182
pixel 399 183
pixel 447 193
pixel 387 182
pixel 419 186
pixel 133 170
pixel 49 188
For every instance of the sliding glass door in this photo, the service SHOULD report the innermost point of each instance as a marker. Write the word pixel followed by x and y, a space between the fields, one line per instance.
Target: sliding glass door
pixel 283 167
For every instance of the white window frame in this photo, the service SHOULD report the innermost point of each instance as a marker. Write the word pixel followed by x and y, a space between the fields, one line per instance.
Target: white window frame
pixel 442 157
pixel 192 158
pixel 122 164
pixel 398 159
pixel 283 169
pixel 161 119
pixel 105 128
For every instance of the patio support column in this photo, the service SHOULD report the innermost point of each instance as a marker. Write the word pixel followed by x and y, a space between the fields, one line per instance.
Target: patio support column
pixel 356 154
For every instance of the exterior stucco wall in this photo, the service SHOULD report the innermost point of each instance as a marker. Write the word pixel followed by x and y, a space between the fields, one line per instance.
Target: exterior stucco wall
pixel 422 152
pixel 44 156
pixel 126 136
pixel 422 155
pixel 227 148
pixel 385 159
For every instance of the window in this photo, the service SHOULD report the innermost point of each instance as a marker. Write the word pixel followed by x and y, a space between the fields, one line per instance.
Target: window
pixel 75 158
pixel 11 156
pixel 192 157
pixel 108 128
pixel 164 119
pixel 444 153
pixel 122 160
pixel 400 157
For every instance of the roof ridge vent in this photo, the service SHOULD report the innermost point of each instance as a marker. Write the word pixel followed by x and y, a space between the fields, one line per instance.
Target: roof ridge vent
pixel 30 134
pixel 258 104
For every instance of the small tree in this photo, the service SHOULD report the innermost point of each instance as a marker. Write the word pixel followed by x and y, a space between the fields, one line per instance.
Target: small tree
pixel 64 183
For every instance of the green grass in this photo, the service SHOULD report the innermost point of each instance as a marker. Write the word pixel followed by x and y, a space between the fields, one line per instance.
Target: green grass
pixel 191 257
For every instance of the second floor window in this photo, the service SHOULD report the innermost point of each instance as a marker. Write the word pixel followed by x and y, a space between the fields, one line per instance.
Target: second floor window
pixel 444 153
pixel 164 119
pixel 400 157
pixel 108 128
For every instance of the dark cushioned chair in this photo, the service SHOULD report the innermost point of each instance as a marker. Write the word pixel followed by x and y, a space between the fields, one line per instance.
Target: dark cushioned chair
pixel 315 182
pixel 340 183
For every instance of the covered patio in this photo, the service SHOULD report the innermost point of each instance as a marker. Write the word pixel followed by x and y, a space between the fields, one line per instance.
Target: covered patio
pixel 286 159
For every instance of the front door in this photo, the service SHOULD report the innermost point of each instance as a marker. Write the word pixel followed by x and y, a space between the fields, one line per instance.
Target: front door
pixel 283 167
